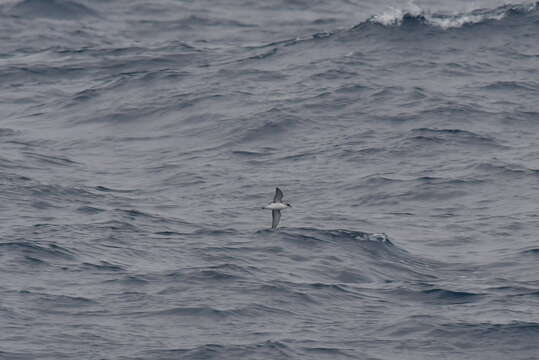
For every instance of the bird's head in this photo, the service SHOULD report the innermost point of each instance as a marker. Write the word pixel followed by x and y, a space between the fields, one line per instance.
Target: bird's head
pixel 288 204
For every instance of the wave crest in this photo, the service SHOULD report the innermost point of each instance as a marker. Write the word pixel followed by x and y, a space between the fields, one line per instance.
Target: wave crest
pixel 416 15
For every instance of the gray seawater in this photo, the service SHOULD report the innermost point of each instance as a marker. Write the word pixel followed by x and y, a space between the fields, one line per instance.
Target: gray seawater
pixel 139 139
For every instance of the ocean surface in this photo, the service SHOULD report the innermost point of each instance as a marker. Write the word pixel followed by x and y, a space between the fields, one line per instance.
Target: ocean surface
pixel 140 139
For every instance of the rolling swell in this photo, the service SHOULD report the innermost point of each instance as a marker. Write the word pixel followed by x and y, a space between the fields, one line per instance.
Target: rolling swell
pixel 418 20
pixel 140 139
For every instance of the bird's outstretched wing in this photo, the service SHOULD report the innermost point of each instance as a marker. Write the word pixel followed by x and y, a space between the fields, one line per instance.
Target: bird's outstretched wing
pixel 278 195
pixel 276 215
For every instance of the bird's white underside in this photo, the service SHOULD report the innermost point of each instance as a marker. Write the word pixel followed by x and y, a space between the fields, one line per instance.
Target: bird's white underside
pixel 276 206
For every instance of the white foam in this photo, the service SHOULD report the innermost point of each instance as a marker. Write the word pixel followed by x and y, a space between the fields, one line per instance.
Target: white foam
pixel 459 21
pixel 395 16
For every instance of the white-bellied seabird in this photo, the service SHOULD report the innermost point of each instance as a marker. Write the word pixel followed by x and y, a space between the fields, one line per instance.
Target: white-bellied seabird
pixel 276 206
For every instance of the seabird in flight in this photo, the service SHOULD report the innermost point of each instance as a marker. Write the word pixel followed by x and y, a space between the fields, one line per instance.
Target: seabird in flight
pixel 276 206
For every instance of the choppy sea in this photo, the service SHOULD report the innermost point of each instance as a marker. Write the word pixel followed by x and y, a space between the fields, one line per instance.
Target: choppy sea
pixel 140 139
